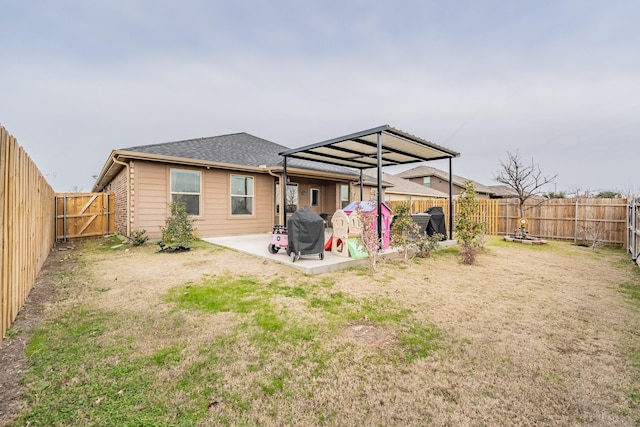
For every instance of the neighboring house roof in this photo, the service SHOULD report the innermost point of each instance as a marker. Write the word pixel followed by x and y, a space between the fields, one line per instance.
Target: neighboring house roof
pixel 503 191
pixel 423 171
pixel 238 150
pixel 402 186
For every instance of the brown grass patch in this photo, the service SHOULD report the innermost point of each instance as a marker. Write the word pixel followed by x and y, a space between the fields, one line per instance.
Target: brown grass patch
pixel 531 336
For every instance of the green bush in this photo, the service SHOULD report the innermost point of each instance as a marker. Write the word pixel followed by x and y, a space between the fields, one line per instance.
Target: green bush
pixel 427 244
pixel 404 230
pixel 139 238
pixel 178 231
pixel 468 228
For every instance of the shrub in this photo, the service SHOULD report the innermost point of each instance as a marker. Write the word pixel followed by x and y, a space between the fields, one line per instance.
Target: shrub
pixel 369 240
pixel 178 231
pixel 468 228
pixel 138 238
pixel 404 231
pixel 427 244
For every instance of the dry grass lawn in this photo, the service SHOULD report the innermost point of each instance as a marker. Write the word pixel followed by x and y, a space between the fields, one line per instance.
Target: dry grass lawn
pixel 527 336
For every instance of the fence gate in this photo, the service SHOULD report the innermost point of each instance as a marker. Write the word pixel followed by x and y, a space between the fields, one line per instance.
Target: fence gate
pixel 84 215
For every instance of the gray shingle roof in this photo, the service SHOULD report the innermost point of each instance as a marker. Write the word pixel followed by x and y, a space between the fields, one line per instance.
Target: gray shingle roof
pixel 236 149
pixel 422 171
pixel 404 186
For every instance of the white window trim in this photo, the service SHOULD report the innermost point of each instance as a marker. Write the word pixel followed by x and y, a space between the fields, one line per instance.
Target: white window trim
pixel 171 192
pixel 311 190
pixel 252 196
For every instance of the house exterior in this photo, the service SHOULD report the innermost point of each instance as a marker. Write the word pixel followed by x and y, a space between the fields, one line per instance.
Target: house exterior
pixel 439 180
pixel 230 185
pixel 400 189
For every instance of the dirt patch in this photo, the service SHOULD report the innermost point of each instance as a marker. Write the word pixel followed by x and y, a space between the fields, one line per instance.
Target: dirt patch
pixel 13 359
pixel 369 334
pixel 532 335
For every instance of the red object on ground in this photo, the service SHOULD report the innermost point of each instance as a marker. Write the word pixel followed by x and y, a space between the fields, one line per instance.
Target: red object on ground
pixel 327 245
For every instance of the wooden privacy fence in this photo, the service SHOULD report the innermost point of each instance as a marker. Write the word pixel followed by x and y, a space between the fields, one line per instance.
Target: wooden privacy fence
pixel 26 226
pixel 579 220
pixel 487 211
pixel 84 215
pixel 633 229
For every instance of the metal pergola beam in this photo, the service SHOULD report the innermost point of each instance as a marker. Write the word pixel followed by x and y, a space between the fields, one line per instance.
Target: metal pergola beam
pixel 407 143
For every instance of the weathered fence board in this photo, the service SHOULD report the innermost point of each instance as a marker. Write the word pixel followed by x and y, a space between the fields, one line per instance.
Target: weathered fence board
pixel 580 220
pixel 633 229
pixel 81 215
pixel 26 226
pixel 487 211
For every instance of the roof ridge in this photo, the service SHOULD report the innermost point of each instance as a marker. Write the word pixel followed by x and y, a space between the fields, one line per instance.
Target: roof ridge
pixel 157 144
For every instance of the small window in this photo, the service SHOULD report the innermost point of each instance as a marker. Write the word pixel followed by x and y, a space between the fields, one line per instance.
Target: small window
pixel 426 181
pixel 315 197
pixel 185 188
pixel 241 195
pixel 344 196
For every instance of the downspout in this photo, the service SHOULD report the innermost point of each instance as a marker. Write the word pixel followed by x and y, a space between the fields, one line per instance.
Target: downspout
pixel 127 165
pixel 361 186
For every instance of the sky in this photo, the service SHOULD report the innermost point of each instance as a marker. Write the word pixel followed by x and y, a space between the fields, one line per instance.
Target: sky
pixel 557 82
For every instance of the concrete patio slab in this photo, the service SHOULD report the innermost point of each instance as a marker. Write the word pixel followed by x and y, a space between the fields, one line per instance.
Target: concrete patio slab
pixel 256 245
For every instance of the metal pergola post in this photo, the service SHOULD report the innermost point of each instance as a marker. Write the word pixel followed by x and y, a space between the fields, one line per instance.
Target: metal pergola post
pixel 283 193
pixel 450 198
pixel 379 142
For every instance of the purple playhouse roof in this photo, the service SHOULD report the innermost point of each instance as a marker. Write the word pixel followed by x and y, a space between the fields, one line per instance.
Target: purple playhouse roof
pixel 365 206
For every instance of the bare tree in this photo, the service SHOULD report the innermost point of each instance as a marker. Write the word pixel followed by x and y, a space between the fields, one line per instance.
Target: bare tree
pixel 526 180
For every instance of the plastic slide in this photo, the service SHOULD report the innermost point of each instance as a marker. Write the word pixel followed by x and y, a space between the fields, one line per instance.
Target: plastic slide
pixel 355 250
pixel 327 245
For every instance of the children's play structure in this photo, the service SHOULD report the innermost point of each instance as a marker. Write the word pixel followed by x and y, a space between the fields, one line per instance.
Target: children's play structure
pixel 347 227
pixel 304 234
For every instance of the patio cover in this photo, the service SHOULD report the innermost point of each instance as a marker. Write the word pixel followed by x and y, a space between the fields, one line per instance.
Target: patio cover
pixel 376 147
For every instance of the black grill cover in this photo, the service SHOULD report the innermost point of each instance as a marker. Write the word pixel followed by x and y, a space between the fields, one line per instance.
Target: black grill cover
pixel 422 221
pixel 305 231
pixel 436 222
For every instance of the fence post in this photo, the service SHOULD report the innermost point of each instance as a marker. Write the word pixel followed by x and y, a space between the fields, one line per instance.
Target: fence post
pixel 506 225
pixel 575 225
pixel 64 220
pixel 629 222
pixel 634 222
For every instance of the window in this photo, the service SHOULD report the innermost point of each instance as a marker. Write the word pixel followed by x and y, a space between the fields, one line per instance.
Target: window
pixel 426 181
pixel 315 197
pixel 344 196
pixel 291 199
pixel 241 195
pixel 185 188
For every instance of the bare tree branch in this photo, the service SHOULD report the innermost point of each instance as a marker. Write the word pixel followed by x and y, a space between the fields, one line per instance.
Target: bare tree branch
pixel 526 180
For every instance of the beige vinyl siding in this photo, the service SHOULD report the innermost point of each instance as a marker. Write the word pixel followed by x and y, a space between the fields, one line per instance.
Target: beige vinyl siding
pixel 217 219
pixel 150 197
pixel 328 197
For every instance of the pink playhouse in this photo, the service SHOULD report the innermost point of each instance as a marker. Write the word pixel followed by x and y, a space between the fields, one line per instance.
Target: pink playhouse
pixel 367 207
